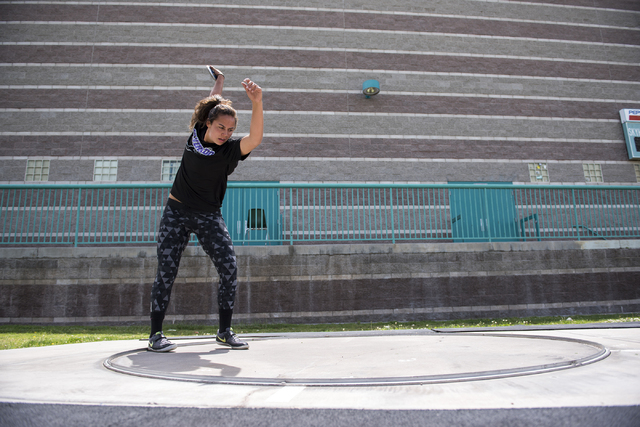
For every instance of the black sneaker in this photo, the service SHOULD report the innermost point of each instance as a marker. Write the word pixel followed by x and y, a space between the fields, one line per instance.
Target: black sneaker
pixel 160 343
pixel 230 339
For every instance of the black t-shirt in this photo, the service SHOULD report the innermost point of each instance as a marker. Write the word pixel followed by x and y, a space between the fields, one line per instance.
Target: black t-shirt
pixel 201 180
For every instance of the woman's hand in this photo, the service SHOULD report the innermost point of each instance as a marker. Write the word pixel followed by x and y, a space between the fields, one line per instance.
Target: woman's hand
pixel 256 127
pixel 254 92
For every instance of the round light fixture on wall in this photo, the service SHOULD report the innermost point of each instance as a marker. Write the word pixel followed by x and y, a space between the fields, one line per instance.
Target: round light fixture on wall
pixel 370 88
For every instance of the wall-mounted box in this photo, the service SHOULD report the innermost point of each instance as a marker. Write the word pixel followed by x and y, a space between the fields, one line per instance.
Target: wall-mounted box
pixel 630 119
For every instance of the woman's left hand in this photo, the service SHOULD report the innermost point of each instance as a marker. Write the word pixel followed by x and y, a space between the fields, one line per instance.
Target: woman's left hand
pixel 254 92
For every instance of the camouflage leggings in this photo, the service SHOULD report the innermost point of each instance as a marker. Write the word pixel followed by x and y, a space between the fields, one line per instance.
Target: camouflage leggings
pixel 176 226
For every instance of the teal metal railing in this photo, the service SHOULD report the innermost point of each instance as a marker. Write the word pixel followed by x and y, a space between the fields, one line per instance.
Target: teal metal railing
pixel 274 213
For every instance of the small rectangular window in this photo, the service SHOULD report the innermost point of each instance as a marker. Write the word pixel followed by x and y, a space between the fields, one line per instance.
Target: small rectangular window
pixel 169 169
pixel 105 170
pixel 538 172
pixel 37 170
pixel 592 172
pixel 637 172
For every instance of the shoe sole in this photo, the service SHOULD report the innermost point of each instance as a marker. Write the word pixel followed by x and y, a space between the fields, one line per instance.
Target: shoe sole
pixel 240 347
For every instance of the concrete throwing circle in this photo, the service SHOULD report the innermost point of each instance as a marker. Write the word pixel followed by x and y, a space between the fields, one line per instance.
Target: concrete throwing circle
pixel 360 359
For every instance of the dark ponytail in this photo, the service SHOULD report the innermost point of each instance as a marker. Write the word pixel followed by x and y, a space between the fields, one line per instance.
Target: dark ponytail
pixel 210 108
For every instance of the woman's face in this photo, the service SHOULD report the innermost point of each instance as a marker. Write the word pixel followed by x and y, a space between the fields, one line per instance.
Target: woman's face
pixel 220 129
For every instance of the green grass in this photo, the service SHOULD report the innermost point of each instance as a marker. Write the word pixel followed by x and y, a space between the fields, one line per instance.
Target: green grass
pixel 22 336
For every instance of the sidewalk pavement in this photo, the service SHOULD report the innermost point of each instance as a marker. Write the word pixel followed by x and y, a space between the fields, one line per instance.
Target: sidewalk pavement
pixel 584 376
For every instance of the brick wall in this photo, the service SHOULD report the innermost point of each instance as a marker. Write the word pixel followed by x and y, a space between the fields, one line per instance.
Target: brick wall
pixel 470 91
pixel 328 283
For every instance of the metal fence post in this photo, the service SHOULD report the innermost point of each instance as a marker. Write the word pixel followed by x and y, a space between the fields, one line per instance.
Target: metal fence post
pixel 486 213
pixel 575 211
pixel 291 216
pixel 393 223
pixel 75 243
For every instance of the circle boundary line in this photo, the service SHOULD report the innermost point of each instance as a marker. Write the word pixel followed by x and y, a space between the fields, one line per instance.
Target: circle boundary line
pixel 601 354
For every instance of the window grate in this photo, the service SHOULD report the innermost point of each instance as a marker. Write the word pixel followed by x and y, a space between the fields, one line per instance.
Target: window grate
pixel 538 172
pixel 169 170
pixel 592 172
pixel 37 170
pixel 105 170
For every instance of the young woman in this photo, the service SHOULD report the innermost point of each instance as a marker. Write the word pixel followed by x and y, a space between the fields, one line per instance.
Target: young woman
pixel 210 156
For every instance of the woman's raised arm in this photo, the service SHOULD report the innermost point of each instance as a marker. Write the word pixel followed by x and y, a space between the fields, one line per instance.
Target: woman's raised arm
pixel 256 128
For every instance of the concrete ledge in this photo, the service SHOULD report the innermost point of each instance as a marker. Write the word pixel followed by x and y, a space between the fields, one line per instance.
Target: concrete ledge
pixel 324 249
pixel 328 283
